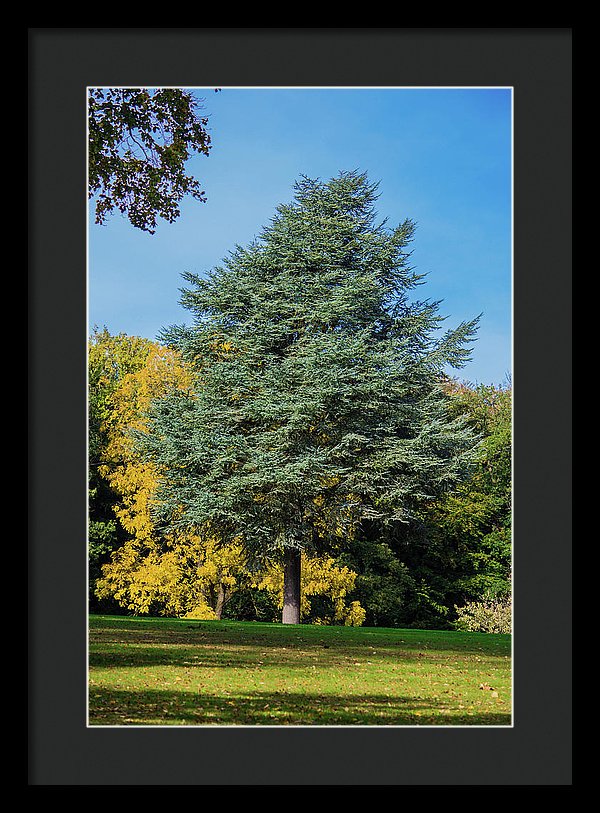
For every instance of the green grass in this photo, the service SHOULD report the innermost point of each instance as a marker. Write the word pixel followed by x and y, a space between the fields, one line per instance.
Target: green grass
pixel 155 671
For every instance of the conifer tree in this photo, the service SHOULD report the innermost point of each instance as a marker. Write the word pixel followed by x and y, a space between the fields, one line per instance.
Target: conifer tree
pixel 318 398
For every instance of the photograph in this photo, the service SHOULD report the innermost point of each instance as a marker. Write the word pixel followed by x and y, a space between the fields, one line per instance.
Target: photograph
pixel 299 379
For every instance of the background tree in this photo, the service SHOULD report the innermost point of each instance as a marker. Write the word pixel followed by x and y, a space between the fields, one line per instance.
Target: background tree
pixel 317 383
pixel 176 576
pixel 110 360
pixel 459 549
pixel 474 523
pixel 139 141
pixel 150 572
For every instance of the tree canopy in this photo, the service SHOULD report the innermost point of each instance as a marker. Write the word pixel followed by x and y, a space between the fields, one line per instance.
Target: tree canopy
pixel 138 143
pixel 318 385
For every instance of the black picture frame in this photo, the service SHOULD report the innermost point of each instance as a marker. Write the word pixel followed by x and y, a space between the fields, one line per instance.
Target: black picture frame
pixel 537 64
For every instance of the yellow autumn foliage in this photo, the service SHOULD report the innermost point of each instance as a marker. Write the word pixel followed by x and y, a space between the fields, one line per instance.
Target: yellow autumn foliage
pixel 320 576
pixel 186 576
pixel 133 479
pixel 142 580
pixel 170 574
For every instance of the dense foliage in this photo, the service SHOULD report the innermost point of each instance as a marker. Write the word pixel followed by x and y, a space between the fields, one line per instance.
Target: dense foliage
pixel 473 524
pixel 398 574
pixel 110 360
pixel 139 141
pixel 459 549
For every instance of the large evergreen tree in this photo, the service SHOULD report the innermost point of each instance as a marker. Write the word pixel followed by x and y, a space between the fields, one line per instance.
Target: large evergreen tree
pixel 318 397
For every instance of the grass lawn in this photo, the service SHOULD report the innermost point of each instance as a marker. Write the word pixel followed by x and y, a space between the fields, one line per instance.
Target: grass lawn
pixel 156 671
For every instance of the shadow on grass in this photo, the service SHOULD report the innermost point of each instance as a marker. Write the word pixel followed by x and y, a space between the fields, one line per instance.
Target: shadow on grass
pixel 221 647
pixel 160 707
pixel 218 633
pixel 207 657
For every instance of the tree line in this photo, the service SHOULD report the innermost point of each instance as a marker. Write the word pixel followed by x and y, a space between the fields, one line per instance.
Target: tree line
pixel 456 553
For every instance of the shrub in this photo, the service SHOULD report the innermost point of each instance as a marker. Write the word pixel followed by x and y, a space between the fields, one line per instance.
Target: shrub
pixel 492 615
pixel 355 616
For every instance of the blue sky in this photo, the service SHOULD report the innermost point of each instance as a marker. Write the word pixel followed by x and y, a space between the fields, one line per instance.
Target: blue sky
pixel 441 156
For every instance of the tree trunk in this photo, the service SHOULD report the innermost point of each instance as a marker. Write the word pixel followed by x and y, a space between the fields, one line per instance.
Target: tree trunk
pixel 220 602
pixel 291 587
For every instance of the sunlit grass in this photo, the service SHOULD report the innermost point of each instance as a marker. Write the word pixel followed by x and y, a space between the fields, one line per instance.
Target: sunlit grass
pixel 177 672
